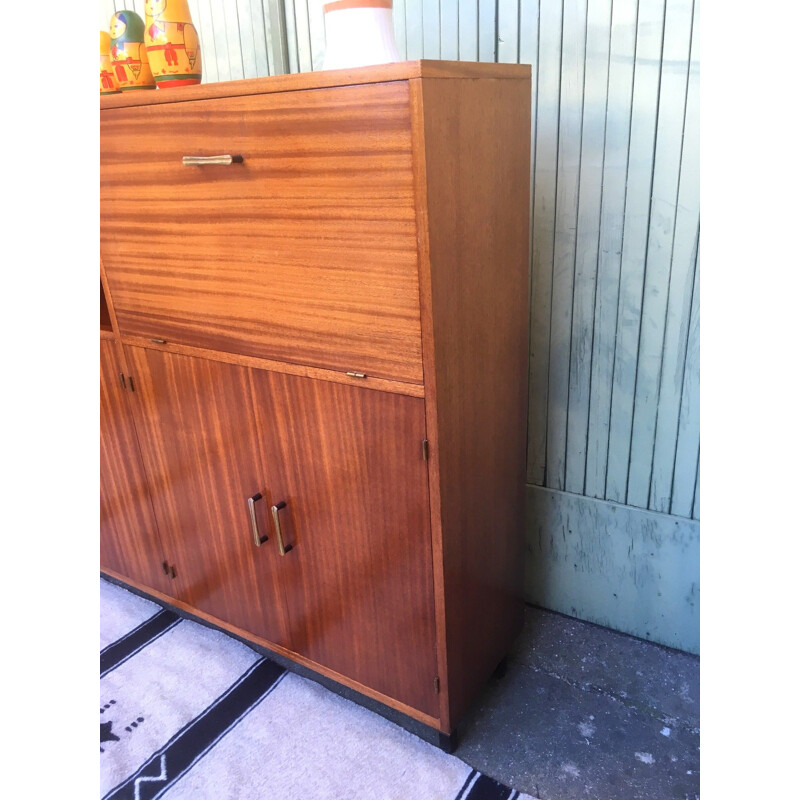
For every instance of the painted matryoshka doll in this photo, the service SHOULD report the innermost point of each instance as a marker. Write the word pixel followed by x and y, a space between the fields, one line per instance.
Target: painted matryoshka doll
pixel 173 46
pixel 128 53
pixel 108 80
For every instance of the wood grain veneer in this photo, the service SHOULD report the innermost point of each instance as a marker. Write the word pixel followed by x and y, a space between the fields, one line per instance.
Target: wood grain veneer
pixel 200 450
pixel 368 382
pixel 105 314
pixel 303 81
pixel 345 680
pixel 348 463
pixel 304 253
pixel 472 148
pixel 130 542
pixel 377 224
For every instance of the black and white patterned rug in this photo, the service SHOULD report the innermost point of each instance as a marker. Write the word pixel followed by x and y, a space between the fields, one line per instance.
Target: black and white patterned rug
pixel 188 712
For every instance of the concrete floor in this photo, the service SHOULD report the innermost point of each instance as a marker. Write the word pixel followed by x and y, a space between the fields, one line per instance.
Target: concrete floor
pixel 584 712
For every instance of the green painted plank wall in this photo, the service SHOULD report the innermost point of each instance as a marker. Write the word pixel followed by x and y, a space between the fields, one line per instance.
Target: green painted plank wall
pixel 623 567
pixel 615 211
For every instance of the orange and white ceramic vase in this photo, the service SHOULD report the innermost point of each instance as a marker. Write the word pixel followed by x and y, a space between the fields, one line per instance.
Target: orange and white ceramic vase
pixel 173 46
pixel 128 53
pixel 358 33
pixel 108 80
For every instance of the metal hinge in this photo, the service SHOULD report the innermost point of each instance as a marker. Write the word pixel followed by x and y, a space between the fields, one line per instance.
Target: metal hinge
pixel 356 374
pixel 425 452
pixel 436 685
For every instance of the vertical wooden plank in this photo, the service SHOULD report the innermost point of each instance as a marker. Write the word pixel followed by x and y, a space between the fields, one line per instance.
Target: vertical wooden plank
pixel 687 448
pixel 508 30
pixel 205 28
pixel 647 71
pixel 414 46
pixel 305 57
pixel 487 30
pixel 276 36
pixel 316 28
pixel 468 30
pixel 660 270
pixel 258 21
pixel 220 38
pixel 612 214
pixel 431 29
pixel 235 59
pixel 529 54
pixel 544 196
pixel 598 41
pixel 529 37
pixel 573 51
pixel 247 39
pixel 292 48
pixel 399 22
pixel 680 290
pixel 448 30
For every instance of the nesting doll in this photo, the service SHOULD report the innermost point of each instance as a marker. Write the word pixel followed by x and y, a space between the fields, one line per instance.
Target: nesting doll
pixel 173 46
pixel 128 53
pixel 108 80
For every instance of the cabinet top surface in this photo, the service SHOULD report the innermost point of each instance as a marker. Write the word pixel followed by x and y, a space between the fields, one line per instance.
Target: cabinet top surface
pixel 379 73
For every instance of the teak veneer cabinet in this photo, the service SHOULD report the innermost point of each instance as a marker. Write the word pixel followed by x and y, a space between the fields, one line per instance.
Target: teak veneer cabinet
pixel 314 327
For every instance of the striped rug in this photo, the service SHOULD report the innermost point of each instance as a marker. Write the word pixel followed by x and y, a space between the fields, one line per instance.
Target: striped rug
pixel 188 712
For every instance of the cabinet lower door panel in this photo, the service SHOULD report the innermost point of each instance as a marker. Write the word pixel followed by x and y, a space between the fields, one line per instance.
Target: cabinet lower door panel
pixel 348 464
pixel 200 448
pixel 129 540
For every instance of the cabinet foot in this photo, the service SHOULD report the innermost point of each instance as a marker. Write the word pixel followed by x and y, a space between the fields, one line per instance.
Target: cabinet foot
pixel 448 742
pixel 501 669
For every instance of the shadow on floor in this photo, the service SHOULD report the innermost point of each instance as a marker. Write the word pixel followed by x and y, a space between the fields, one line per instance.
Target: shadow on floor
pixel 585 712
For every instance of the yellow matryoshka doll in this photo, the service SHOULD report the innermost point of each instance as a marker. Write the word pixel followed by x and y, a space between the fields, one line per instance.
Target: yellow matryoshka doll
pixel 128 53
pixel 173 46
pixel 108 81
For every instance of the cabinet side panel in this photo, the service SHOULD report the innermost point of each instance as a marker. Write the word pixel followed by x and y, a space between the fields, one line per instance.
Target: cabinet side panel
pixel 475 331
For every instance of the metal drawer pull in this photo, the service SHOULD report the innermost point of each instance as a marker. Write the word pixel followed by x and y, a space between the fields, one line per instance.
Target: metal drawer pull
pixel 258 539
pixel 276 519
pixel 202 161
pixel 158 341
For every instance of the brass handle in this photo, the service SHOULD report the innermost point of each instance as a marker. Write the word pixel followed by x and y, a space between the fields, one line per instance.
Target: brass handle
pixel 202 161
pixel 258 539
pixel 283 550
pixel 158 341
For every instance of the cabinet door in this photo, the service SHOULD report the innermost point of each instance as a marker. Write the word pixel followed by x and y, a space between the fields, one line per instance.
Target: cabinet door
pixel 200 448
pixel 348 464
pixel 129 540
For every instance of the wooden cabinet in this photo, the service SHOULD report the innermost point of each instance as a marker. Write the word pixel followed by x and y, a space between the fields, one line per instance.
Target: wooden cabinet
pixel 130 543
pixel 202 454
pixel 321 285
pixel 305 252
